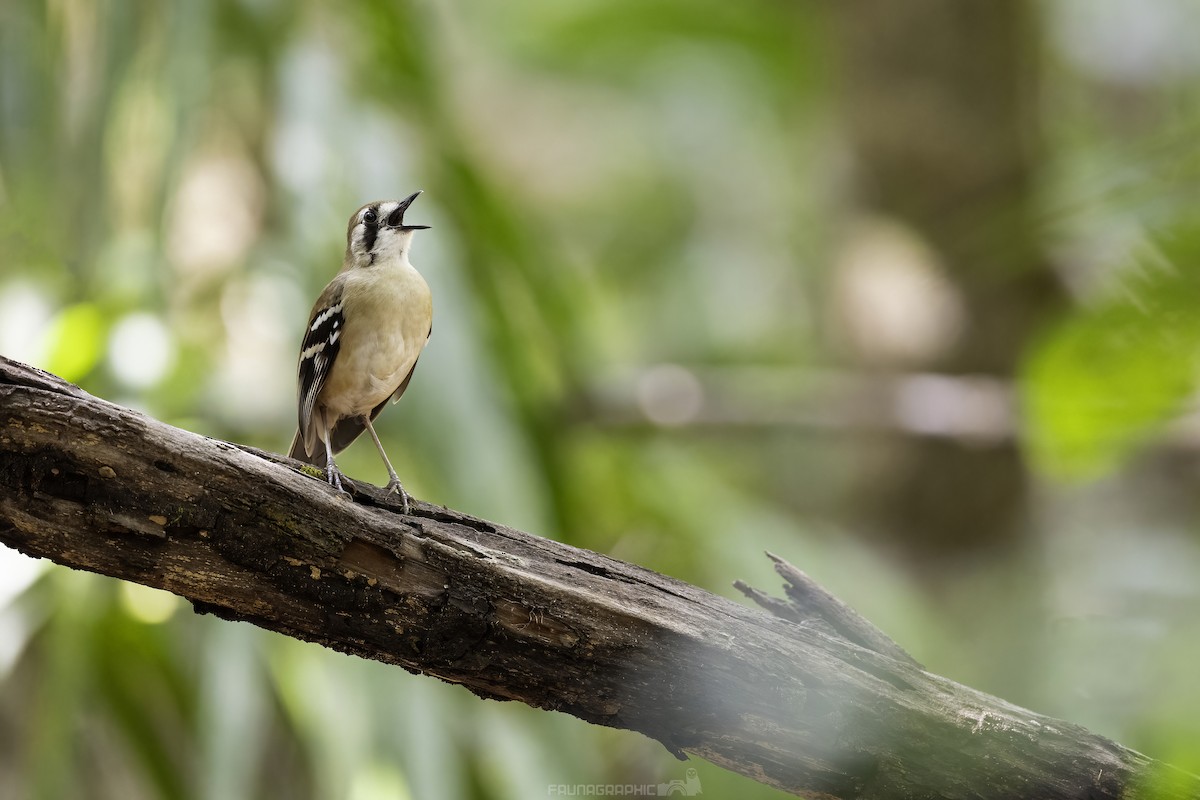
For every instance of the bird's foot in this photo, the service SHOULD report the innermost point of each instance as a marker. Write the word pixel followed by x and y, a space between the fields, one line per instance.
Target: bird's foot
pixel 334 476
pixel 394 487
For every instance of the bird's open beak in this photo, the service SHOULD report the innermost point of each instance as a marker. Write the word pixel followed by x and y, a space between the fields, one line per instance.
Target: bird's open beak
pixel 399 212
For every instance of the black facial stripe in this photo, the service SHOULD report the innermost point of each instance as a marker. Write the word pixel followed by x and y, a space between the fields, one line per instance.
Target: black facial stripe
pixel 369 236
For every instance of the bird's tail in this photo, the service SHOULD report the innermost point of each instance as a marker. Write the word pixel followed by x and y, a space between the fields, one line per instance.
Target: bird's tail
pixel 317 459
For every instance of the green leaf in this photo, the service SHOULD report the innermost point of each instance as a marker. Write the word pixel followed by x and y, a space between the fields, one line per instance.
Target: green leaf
pixel 1109 377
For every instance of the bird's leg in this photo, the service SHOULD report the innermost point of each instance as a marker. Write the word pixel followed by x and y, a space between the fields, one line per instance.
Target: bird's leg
pixel 394 485
pixel 331 471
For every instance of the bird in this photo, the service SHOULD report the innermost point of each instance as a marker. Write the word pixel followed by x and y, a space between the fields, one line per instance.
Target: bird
pixel 363 338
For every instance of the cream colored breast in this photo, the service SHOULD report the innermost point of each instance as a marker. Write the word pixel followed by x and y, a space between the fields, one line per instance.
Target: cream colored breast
pixel 388 311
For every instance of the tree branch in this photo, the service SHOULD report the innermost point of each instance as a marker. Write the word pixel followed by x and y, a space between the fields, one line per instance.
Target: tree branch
pixel 815 701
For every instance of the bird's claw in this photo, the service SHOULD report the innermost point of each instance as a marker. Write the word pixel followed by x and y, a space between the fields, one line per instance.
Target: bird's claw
pixel 335 479
pixel 394 487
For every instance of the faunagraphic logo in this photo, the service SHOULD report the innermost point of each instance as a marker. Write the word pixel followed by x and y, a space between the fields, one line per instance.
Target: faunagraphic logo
pixel 689 786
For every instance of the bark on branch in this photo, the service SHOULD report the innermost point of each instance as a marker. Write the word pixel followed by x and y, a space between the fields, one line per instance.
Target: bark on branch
pixel 811 699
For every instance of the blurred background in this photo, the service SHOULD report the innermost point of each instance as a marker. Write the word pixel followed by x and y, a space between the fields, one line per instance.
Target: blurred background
pixel 901 292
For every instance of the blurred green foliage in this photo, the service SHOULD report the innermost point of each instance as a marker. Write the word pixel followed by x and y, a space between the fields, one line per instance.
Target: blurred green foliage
pixel 1112 374
pixel 612 186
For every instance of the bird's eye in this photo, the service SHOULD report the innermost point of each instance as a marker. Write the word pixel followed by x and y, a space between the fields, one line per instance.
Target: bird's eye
pixel 370 217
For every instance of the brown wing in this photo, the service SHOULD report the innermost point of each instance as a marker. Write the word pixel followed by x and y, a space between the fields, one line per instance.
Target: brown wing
pixel 318 351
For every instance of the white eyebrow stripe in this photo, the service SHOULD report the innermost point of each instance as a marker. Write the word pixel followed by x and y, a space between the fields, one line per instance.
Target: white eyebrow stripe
pixel 324 315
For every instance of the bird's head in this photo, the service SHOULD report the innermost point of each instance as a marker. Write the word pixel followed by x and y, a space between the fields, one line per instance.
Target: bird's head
pixel 377 231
